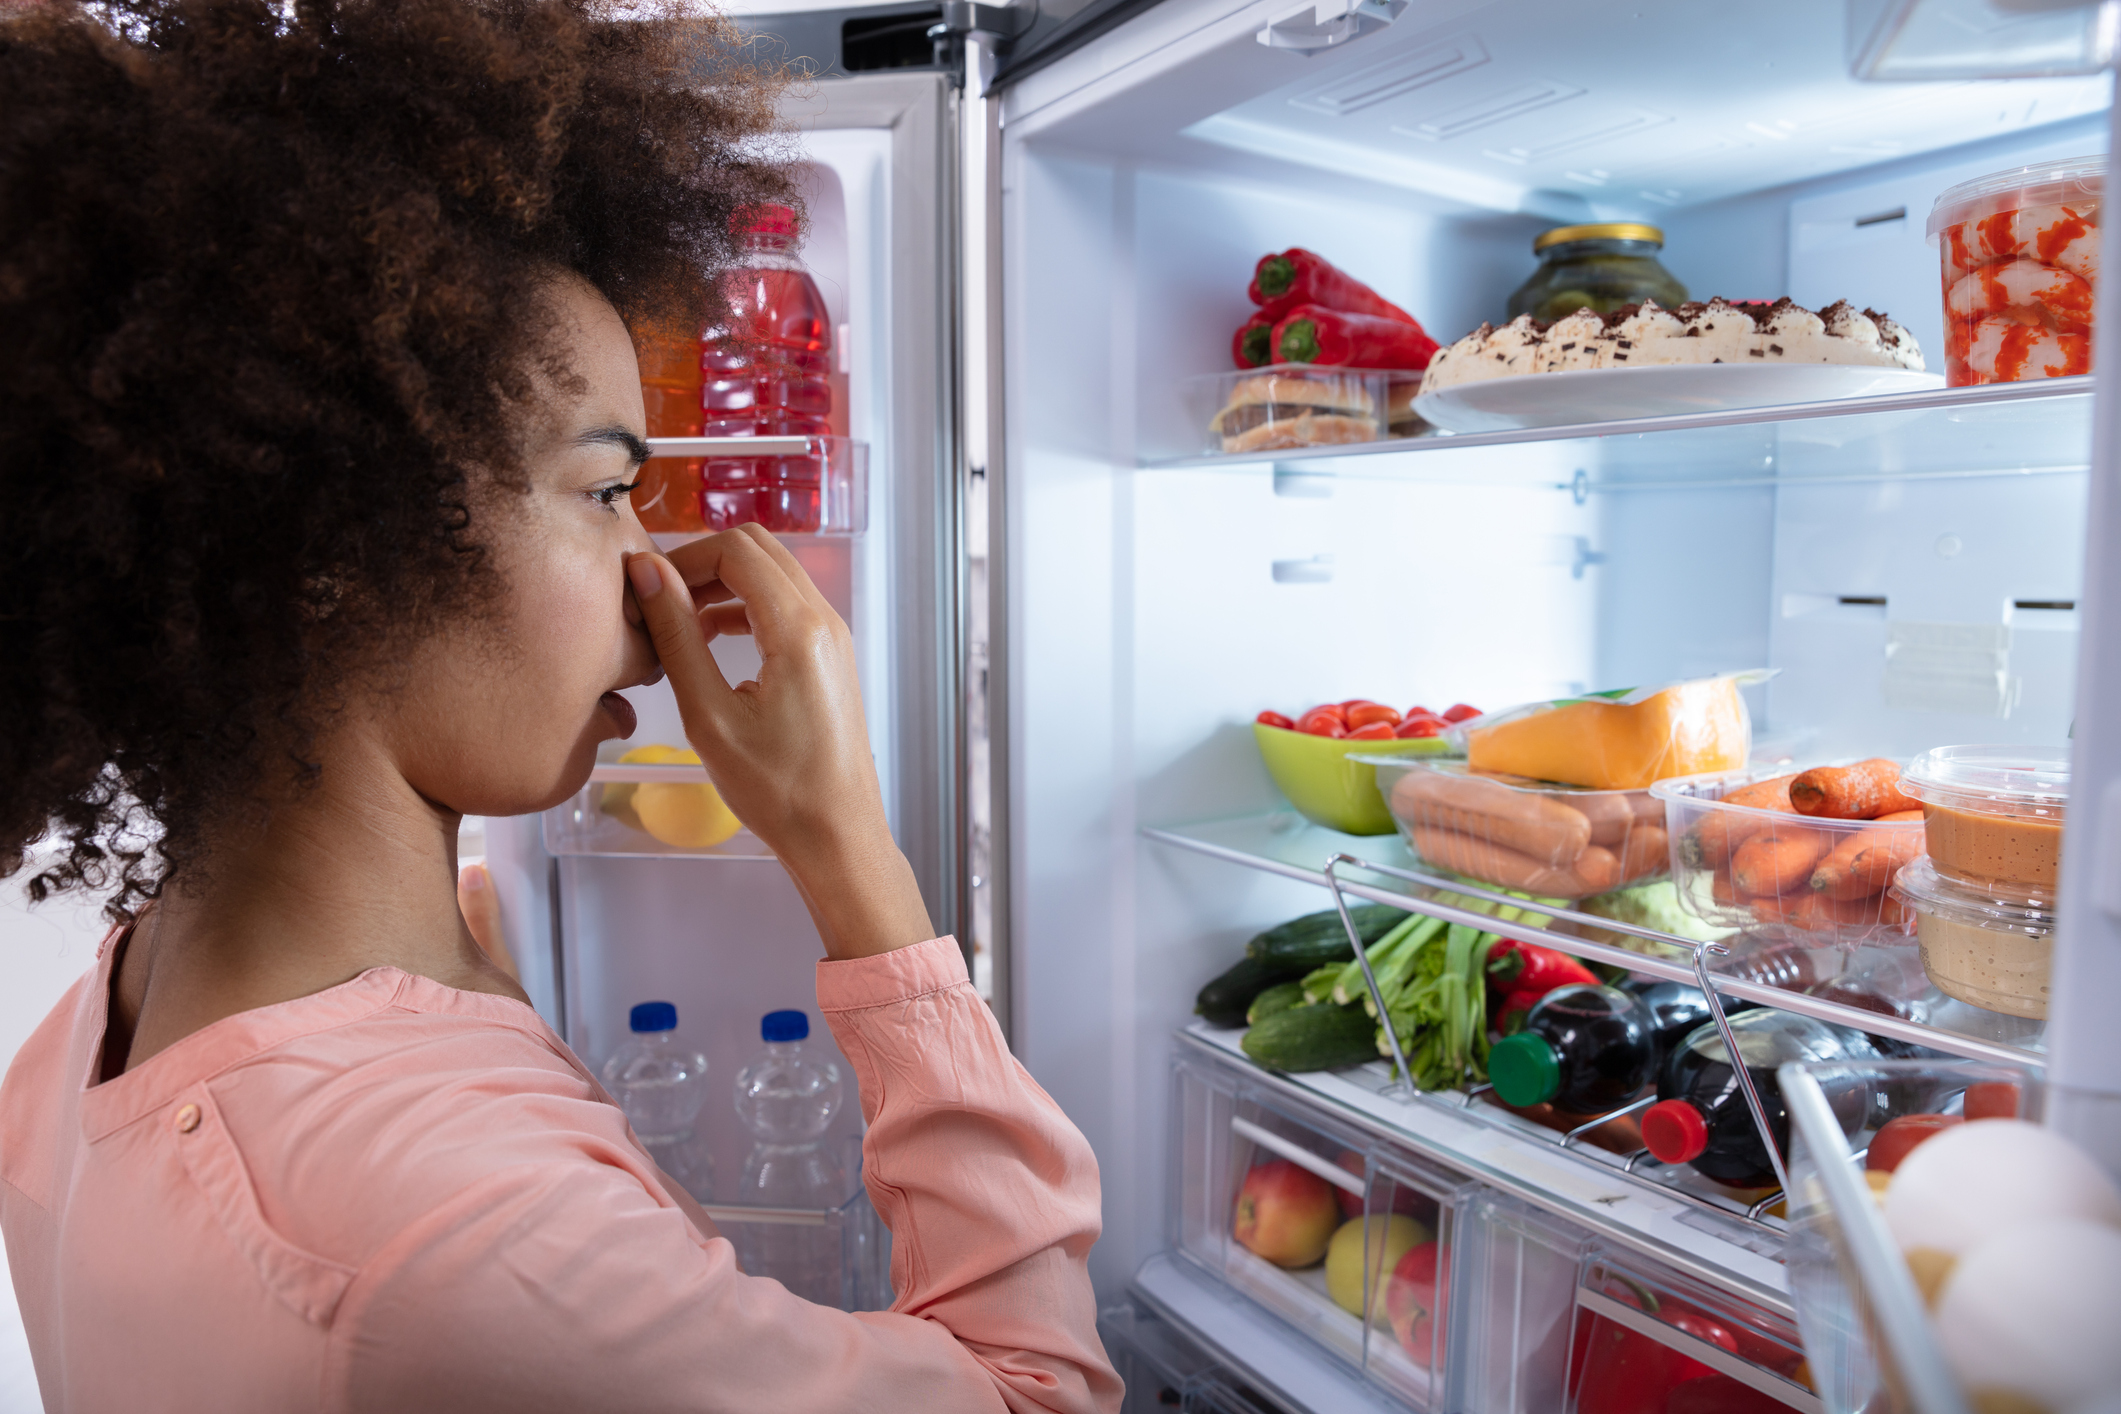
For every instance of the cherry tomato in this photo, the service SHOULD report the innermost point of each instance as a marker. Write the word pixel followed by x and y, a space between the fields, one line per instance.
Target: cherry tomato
pixel 1422 726
pixel 1418 712
pixel 1364 713
pixel 1319 722
pixel 1898 1137
pixel 1460 713
pixel 1332 709
pixel 1991 1099
pixel 1275 719
pixel 1375 731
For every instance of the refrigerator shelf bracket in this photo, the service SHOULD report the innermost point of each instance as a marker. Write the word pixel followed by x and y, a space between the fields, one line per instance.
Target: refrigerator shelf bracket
pixel 1326 24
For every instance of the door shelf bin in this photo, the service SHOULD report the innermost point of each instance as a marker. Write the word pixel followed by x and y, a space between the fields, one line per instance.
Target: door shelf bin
pixel 1648 1340
pixel 596 818
pixel 838 1257
pixel 1228 1127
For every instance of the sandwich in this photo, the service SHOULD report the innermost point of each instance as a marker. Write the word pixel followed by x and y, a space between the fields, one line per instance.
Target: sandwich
pixel 1278 411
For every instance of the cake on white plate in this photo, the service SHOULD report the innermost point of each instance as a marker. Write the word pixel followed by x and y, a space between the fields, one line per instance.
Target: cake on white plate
pixel 1645 336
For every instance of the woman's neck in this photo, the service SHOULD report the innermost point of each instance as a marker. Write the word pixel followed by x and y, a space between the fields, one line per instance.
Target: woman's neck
pixel 356 871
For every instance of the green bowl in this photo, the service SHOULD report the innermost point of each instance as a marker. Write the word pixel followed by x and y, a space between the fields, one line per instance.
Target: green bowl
pixel 1328 789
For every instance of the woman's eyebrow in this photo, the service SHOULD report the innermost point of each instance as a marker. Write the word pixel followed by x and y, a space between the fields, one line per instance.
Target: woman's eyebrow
pixel 615 435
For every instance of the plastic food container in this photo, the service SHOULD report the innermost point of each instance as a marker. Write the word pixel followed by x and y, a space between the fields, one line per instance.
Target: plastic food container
pixel 1327 780
pixel 2019 252
pixel 1620 740
pixel 1993 814
pixel 1547 840
pixel 1790 876
pixel 1988 946
pixel 1290 405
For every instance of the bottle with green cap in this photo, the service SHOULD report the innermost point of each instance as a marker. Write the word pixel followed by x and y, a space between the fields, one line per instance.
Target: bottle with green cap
pixel 1584 1049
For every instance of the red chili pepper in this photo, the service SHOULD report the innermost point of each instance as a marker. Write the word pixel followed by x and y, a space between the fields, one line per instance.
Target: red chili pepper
pixel 1334 338
pixel 1275 719
pixel 1296 276
pixel 1522 967
pixel 1253 345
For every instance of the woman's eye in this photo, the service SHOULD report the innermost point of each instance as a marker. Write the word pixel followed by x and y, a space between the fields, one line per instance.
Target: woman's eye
pixel 610 495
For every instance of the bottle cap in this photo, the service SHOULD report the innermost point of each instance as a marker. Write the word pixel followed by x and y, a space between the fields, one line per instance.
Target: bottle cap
pixel 784 1026
pixel 1524 1069
pixel 653 1016
pixel 1675 1131
pixel 768 217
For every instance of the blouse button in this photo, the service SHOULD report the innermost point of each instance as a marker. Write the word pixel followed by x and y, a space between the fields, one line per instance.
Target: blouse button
pixel 187 1119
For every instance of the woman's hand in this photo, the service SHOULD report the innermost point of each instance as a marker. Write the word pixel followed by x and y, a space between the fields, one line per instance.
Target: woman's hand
pixel 789 750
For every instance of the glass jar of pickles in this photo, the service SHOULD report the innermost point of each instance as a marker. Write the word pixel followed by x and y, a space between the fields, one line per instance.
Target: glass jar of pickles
pixel 1599 267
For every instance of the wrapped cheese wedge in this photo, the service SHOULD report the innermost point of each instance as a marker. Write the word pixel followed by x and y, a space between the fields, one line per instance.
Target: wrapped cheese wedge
pixel 1621 740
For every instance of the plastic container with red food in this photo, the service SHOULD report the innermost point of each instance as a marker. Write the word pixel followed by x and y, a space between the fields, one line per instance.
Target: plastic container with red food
pixel 1804 878
pixel 1535 837
pixel 2019 253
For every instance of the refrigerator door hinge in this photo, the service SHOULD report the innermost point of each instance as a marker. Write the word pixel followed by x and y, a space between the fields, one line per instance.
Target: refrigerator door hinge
pixel 1329 23
pixel 967 17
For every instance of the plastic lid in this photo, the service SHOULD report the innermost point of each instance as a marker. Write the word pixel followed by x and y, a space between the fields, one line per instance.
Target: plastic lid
pixel 2015 910
pixel 784 1026
pixel 2047 184
pixel 2026 781
pixel 1603 231
pixel 1524 1070
pixel 768 217
pixel 1675 1131
pixel 653 1016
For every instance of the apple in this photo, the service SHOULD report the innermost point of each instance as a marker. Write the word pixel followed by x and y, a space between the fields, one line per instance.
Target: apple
pixel 1286 1213
pixel 1414 1299
pixel 1899 1136
pixel 1368 1248
pixel 1406 1200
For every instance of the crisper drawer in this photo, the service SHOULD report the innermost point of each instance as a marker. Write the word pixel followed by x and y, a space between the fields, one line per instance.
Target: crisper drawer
pixel 1648 1340
pixel 1319 1222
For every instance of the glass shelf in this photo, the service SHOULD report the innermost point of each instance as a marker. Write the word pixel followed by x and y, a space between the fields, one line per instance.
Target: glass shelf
pixel 582 824
pixel 2005 429
pixel 1283 842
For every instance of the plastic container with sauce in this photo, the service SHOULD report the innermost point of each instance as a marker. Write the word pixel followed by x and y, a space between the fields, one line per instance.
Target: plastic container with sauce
pixel 1985 945
pixel 1599 267
pixel 2019 256
pixel 1992 815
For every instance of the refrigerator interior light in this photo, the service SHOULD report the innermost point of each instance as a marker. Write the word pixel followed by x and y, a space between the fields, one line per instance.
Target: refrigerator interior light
pixel 1932 40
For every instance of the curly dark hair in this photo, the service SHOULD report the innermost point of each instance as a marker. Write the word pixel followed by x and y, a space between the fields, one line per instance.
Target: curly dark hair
pixel 272 283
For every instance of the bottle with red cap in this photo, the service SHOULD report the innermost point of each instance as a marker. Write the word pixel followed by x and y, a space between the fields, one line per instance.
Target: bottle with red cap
pixel 1701 1117
pixel 767 374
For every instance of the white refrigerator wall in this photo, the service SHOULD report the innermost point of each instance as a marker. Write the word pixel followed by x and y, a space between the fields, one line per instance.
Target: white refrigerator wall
pixel 1153 611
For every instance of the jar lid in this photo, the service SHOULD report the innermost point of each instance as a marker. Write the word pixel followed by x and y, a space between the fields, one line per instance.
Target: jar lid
pixel 2018 910
pixel 2047 184
pixel 2027 781
pixel 1604 231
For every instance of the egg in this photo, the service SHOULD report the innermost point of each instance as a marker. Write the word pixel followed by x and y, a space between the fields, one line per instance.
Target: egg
pixel 1978 1179
pixel 2032 1313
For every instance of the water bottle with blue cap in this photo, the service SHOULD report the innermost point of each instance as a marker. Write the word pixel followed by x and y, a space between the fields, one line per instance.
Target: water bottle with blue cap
pixel 787 1097
pixel 661 1083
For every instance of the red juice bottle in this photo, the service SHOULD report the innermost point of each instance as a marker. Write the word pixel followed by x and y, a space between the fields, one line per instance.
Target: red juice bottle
pixel 767 374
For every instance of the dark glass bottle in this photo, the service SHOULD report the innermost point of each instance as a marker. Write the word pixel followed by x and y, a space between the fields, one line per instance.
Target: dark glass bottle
pixel 1675 1009
pixel 1701 1117
pixel 1585 1049
pixel 1599 267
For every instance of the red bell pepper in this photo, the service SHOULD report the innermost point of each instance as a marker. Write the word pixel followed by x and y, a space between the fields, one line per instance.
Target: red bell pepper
pixel 1296 276
pixel 1622 1372
pixel 1521 967
pixel 1253 345
pixel 1335 338
pixel 1509 1016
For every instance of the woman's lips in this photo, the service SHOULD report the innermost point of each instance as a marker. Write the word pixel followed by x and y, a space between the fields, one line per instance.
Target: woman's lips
pixel 620 711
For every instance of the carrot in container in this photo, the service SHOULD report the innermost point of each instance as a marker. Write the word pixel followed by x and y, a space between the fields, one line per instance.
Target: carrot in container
pixel 1296 276
pixel 1863 791
pixel 1779 860
pixel 1311 333
pixel 1717 837
pixel 1253 345
pixel 1723 891
pixel 1866 861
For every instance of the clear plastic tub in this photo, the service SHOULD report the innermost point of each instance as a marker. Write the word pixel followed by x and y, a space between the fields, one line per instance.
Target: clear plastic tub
pixel 1783 875
pixel 1546 840
pixel 1291 405
pixel 2019 256
pixel 1993 815
pixel 1987 946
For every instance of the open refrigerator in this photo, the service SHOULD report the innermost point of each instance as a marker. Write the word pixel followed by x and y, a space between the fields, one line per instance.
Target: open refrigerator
pixel 1035 224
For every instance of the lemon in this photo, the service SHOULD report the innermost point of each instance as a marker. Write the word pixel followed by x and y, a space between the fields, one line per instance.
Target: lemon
pixel 684 816
pixel 617 800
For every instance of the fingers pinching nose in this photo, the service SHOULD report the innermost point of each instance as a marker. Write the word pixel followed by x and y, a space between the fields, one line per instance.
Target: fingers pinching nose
pixel 646 577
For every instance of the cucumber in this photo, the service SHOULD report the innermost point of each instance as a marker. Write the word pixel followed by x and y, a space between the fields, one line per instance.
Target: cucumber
pixel 1313 1038
pixel 1279 997
pixel 1225 999
pixel 1318 938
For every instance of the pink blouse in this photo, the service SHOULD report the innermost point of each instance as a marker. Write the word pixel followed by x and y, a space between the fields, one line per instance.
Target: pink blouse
pixel 393 1195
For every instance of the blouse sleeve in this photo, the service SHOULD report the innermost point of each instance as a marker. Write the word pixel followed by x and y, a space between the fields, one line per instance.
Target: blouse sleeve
pixel 567 1285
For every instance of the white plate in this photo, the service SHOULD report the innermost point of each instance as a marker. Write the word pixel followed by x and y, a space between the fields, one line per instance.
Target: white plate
pixel 1609 394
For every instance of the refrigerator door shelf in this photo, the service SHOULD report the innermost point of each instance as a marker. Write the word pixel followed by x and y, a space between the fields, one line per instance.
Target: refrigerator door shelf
pixel 815 486
pixel 1930 40
pixel 585 825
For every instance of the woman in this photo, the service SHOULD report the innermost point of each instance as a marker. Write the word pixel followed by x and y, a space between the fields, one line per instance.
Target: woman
pixel 318 410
